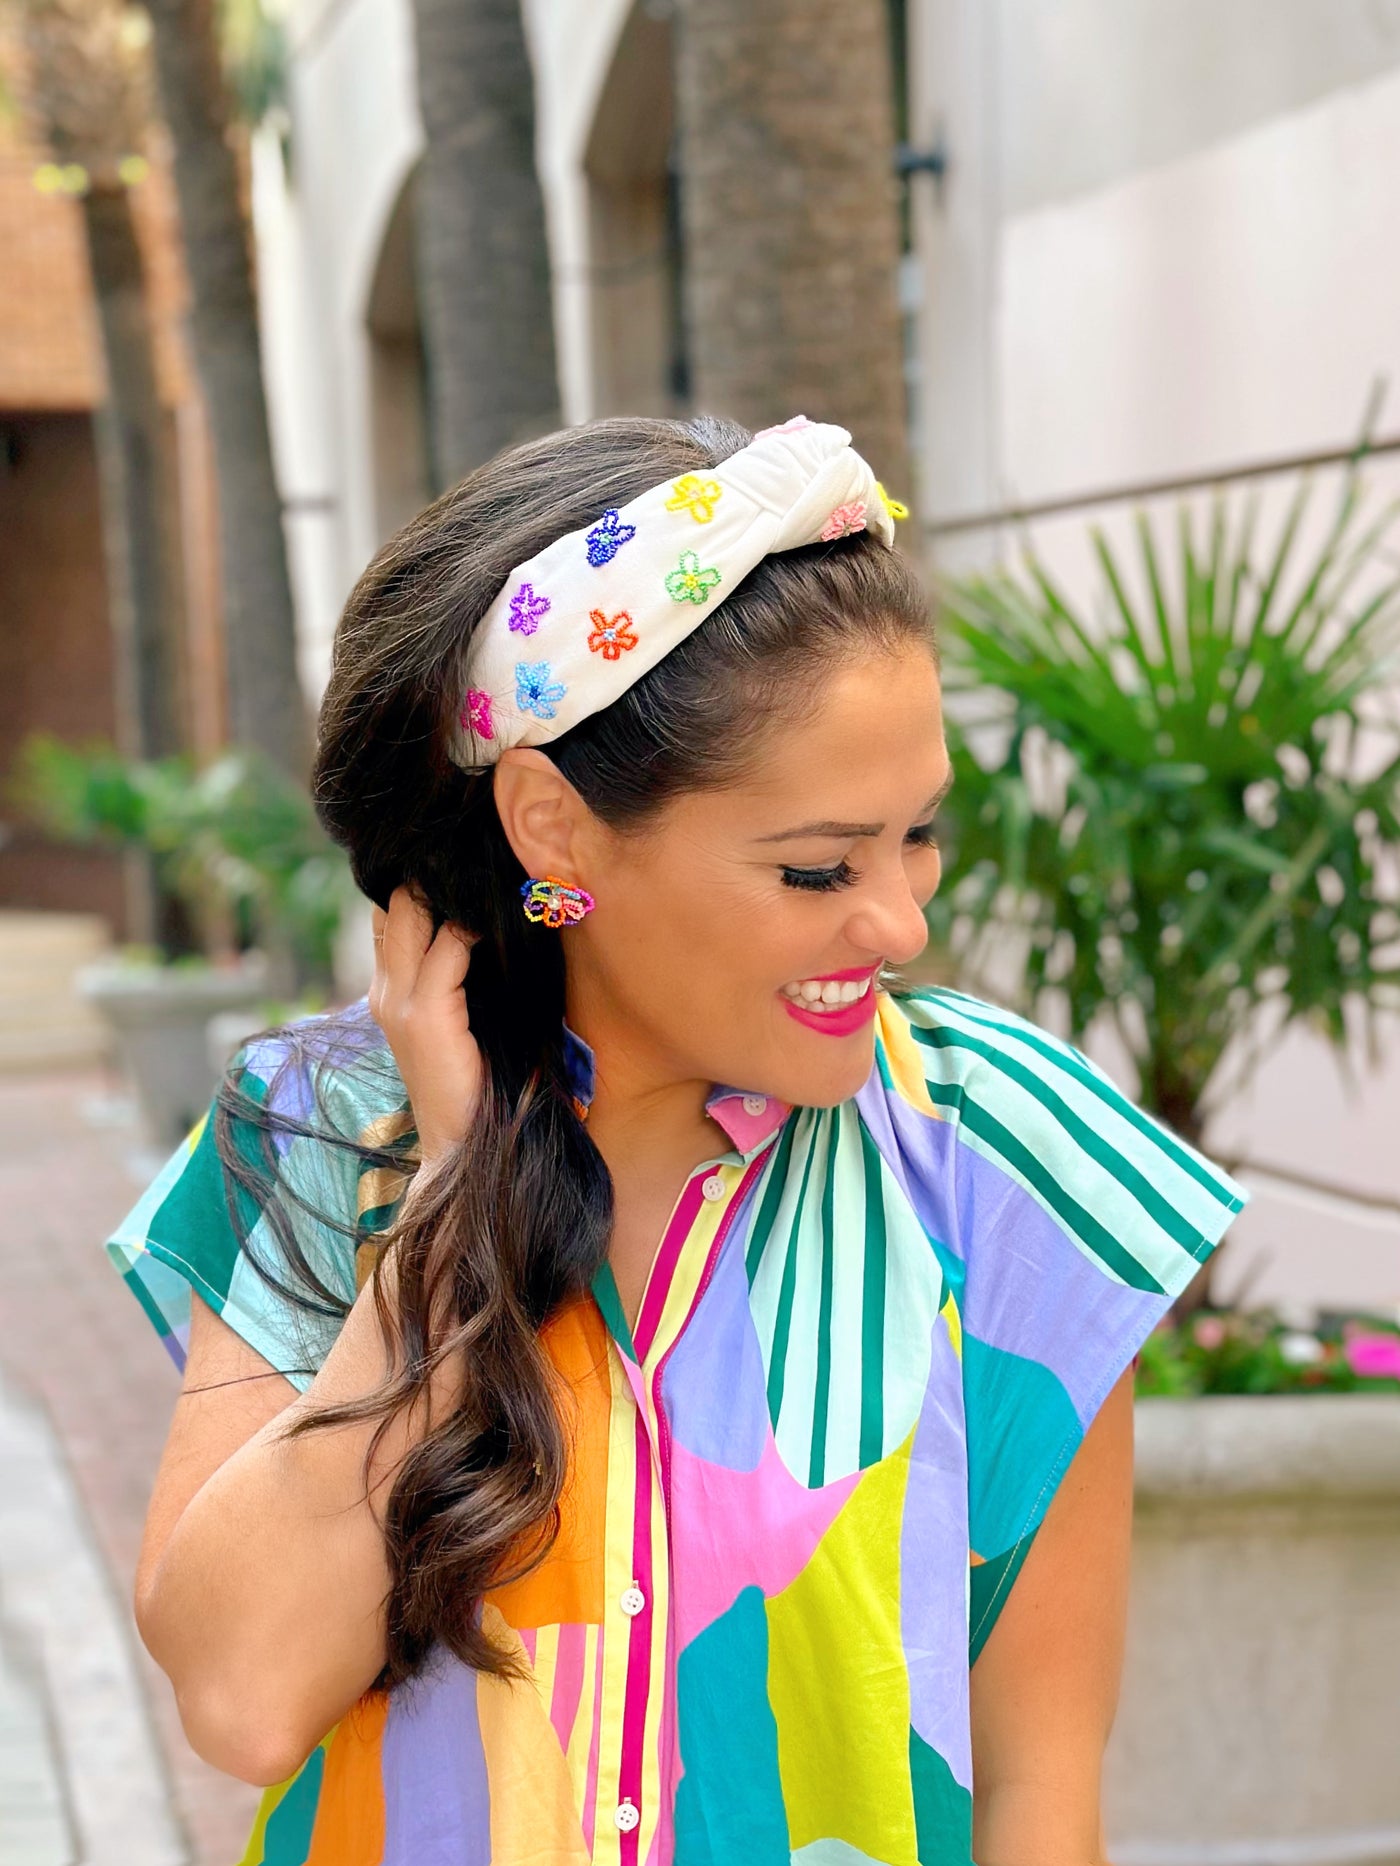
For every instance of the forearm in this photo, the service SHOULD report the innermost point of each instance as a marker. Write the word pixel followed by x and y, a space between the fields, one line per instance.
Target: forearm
pixel 267 1606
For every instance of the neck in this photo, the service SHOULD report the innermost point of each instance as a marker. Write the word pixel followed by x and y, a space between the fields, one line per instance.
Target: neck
pixel 643 1119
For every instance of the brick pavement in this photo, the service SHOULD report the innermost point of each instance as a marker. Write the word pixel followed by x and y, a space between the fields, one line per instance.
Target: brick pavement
pixel 73 1338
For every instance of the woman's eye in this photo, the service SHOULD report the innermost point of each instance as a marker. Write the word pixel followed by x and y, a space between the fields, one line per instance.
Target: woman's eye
pixel 923 835
pixel 821 880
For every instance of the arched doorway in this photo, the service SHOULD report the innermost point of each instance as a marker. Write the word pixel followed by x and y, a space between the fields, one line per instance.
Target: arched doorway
pixel 638 333
pixel 398 406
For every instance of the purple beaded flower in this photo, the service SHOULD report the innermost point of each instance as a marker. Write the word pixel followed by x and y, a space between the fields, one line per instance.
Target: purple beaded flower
pixel 607 538
pixel 527 610
pixel 536 689
pixel 475 715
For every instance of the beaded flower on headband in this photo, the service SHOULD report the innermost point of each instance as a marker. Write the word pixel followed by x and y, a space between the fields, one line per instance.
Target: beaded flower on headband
pixel 574 627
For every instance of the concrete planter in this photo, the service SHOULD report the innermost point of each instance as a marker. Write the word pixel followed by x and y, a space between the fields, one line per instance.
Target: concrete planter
pixel 159 1017
pixel 1260 1718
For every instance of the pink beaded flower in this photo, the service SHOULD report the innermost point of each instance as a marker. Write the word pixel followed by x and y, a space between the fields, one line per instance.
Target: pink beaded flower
pixel 475 715
pixel 527 610
pixel 845 520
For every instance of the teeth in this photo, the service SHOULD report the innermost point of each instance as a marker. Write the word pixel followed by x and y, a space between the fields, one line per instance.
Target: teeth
pixel 816 994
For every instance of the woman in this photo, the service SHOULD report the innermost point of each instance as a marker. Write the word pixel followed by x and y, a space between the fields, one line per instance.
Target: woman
pixel 721 1451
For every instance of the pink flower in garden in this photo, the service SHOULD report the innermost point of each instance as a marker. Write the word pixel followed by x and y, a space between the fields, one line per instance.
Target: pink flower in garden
pixel 476 714
pixel 1210 1331
pixel 1373 1357
pixel 845 520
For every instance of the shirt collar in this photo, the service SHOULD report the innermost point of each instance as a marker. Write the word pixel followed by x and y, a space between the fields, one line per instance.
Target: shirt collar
pixel 749 1119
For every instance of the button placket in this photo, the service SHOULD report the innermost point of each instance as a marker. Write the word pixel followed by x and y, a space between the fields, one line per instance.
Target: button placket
pixel 626 1815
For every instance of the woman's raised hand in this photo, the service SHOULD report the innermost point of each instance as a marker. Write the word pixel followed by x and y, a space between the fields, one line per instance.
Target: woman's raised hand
pixel 417 1000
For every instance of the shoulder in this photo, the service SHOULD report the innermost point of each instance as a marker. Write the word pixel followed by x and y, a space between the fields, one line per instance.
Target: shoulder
pixel 331 1076
pixel 1020 1118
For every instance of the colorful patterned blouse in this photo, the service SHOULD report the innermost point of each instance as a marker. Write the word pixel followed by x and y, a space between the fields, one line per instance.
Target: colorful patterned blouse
pixel 801 1487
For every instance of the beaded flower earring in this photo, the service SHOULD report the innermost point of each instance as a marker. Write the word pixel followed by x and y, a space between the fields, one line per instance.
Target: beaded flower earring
pixel 554 903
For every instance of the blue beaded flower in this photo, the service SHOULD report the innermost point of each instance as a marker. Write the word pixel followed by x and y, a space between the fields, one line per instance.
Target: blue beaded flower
pixel 536 690
pixel 607 538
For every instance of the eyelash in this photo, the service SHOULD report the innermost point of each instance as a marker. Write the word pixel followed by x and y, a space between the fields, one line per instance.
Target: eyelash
pixel 827 880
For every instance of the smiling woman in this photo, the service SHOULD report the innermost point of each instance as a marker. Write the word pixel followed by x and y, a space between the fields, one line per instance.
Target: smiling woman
pixel 684 1331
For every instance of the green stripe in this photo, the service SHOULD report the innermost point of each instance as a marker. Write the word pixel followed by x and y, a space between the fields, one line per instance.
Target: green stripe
pixel 872 1326
pixel 1114 1162
pixel 609 1299
pixel 821 1400
pixel 1072 1216
pixel 154 1314
pixel 782 1322
pixel 1073 1064
pixel 377 1218
pixel 767 1212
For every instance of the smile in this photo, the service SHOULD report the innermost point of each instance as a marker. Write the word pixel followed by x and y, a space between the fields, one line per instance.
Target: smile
pixel 837 1005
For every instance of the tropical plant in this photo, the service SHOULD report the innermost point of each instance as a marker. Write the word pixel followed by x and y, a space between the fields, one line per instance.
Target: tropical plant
pixel 790 208
pixel 237 841
pixel 479 229
pixel 1185 804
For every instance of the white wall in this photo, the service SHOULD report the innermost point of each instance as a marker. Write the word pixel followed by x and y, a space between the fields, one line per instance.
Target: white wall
pixel 1166 245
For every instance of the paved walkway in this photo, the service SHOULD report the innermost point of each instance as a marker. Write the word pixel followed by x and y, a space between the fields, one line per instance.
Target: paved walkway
pixel 94 1769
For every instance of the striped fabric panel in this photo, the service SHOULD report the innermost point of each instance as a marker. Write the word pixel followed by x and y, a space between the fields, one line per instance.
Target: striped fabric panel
pixel 1057 1125
pixel 844 1289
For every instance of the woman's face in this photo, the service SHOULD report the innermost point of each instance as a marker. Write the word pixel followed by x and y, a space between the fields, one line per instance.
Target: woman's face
pixel 738 938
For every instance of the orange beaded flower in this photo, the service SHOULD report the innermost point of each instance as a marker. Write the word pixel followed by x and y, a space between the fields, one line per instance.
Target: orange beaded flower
pixel 611 634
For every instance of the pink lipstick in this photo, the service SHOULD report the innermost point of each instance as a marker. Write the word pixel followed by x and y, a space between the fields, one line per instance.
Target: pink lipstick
pixel 842 1020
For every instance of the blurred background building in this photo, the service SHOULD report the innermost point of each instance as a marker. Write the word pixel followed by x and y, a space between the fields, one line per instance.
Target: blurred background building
pixel 1146 247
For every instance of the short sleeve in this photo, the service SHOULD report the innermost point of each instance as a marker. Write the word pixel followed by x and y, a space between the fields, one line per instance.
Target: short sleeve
pixel 279 1251
pixel 1070 1218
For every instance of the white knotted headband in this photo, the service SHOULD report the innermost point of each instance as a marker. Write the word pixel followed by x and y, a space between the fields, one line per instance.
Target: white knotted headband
pixel 573 628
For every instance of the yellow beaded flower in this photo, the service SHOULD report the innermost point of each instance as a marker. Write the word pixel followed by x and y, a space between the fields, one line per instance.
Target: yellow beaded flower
pixel 697 496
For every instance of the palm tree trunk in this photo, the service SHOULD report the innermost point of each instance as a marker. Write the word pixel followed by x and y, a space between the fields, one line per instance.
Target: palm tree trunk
pixel 136 475
pixel 266 708
pixel 482 252
pixel 790 208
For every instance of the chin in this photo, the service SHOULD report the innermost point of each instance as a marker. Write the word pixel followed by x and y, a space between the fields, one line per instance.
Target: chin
pixel 827 1082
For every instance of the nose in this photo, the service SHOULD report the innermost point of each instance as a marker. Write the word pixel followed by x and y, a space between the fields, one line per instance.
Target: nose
pixel 890 921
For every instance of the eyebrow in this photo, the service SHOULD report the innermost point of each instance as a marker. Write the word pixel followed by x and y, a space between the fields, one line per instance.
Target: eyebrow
pixel 830 828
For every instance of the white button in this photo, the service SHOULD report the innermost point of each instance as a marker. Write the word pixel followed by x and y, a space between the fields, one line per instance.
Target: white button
pixel 755 1104
pixel 632 1602
pixel 626 1817
pixel 713 1188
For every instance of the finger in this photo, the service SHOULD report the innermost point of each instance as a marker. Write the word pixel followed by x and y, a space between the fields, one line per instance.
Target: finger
pixel 445 965
pixel 408 933
pixel 377 919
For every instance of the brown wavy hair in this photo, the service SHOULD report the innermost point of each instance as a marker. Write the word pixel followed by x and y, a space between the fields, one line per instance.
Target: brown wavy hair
pixel 519 1219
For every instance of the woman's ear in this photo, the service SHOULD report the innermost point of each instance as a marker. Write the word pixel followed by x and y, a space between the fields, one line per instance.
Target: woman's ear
pixel 543 816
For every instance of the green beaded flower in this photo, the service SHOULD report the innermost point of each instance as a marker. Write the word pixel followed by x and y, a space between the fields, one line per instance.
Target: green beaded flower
pixel 688 583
